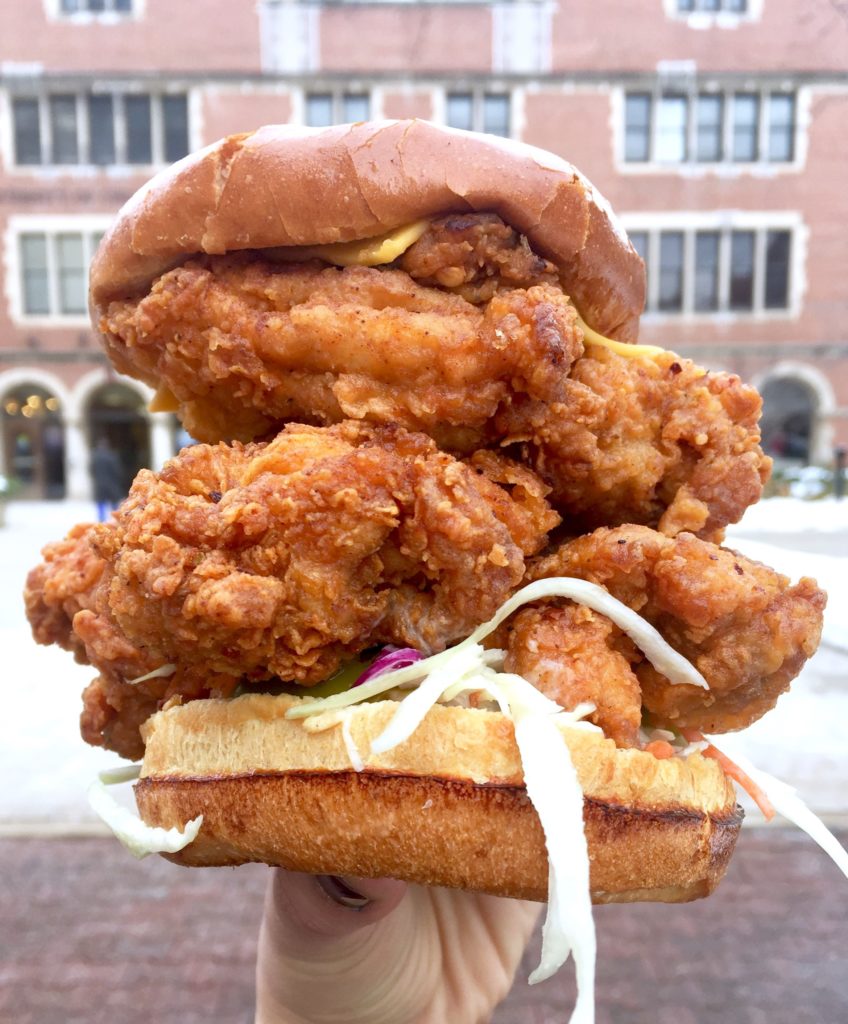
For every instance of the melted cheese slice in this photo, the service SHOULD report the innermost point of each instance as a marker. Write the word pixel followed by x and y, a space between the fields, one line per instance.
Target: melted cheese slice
pixel 620 348
pixel 163 401
pixel 363 252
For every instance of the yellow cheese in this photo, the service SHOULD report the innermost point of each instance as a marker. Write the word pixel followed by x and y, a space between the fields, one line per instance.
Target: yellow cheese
pixel 363 252
pixel 164 400
pixel 621 348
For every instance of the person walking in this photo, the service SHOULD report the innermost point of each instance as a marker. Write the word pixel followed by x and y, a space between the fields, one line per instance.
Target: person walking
pixel 107 477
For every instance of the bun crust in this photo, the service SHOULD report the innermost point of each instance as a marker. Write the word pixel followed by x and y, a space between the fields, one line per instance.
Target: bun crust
pixel 446 807
pixel 284 186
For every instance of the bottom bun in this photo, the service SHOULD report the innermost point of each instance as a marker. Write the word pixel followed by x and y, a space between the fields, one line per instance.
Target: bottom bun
pixel 446 807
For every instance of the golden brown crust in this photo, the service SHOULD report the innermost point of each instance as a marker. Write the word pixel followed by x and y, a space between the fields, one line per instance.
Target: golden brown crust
pixel 446 807
pixel 284 186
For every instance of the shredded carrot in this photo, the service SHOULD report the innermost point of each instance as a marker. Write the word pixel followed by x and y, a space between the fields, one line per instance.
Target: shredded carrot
pixel 660 749
pixel 734 771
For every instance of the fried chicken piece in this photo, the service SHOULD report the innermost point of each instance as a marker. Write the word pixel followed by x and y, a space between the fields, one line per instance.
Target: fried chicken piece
pixel 475 255
pixel 572 655
pixel 655 441
pixel 246 344
pixel 468 338
pixel 743 625
pixel 279 561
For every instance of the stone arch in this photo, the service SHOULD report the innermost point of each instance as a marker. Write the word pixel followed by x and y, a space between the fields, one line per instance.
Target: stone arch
pixel 803 428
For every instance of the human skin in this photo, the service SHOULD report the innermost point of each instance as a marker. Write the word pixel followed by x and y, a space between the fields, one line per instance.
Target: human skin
pixel 402 954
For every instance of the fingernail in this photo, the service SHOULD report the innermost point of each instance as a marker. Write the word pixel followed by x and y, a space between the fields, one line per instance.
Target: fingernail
pixel 340 892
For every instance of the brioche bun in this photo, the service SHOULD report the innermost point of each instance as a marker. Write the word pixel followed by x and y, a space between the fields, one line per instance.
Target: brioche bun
pixel 290 186
pixel 446 807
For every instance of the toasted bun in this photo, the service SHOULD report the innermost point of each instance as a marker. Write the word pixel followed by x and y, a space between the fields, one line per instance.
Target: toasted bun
pixel 284 186
pixel 446 807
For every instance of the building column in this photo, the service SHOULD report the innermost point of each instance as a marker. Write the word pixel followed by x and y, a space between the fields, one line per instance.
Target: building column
pixel 161 439
pixel 77 456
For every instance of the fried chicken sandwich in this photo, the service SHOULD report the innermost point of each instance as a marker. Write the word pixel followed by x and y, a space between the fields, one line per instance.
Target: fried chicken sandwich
pixel 440 594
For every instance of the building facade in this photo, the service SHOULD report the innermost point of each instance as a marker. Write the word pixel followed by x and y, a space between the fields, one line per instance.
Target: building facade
pixel 715 128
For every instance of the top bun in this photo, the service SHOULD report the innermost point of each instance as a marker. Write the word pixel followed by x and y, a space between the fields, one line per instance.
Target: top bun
pixel 284 186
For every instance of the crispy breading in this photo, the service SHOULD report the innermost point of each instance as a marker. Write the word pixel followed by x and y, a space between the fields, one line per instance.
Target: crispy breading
pixel 573 655
pixel 279 561
pixel 744 626
pixel 655 441
pixel 246 344
pixel 469 338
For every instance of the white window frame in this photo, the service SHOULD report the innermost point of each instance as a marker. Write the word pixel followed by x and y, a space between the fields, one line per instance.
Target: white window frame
pixel 478 91
pixel 118 92
pixel 692 87
pixel 724 222
pixel 715 19
pixel 50 225
pixel 54 12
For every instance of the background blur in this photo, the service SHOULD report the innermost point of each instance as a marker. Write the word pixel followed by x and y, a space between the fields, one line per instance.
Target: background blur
pixel 716 128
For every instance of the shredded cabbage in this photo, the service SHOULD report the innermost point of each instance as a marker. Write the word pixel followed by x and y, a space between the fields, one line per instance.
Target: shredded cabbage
pixel 157 673
pixel 786 801
pixel 140 839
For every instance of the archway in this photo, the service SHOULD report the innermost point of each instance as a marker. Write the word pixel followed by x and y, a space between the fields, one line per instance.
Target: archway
pixel 118 414
pixel 34 441
pixel 790 414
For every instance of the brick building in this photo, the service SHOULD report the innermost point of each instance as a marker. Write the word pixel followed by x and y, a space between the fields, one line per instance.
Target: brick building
pixel 715 127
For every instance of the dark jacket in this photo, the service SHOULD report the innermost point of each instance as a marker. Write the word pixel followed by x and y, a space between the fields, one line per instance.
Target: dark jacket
pixel 107 475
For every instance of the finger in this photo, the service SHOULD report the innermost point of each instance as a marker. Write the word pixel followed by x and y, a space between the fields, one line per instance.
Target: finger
pixel 331 905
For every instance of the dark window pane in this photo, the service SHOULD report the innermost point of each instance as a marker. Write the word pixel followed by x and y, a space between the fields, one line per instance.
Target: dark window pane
pixel 356 107
pixel 496 114
pixel 101 128
pixel 96 5
pixel 639 241
pixel 742 270
pixel 27 131
pixel 671 129
pixel 70 6
pixel 706 271
pixel 671 271
pixel 123 5
pixel 139 140
pixel 460 110
pixel 70 264
pixel 781 127
pixel 737 6
pixel 319 109
pixel 637 127
pixel 175 117
pixel 686 5
pixel 708 5
pixel 709 127
pixel 63 123
pixel 745 126
pixel 34 285
pixel 778 244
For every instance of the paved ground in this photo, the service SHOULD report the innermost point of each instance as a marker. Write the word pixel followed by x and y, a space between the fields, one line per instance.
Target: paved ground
pixel 90 936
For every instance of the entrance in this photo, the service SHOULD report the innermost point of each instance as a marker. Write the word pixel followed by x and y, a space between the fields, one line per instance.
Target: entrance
pixel 788 421
pixel 118 414
pixel 34 442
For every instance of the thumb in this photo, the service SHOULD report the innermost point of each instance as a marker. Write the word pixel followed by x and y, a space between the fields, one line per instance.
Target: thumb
pixel 331 906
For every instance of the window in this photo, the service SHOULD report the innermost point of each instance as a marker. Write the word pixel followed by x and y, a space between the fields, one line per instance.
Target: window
pixel 637 137
pixel 709 127
pixel 95 6
pixel 712 6
pixel 708 147
pixel 781 123
pixel 705 268
pixel 326 108
pixel 671 129
pixel 706 271
pixel 745 126
pixel 481 111
pixel 54 271
pixel 103 129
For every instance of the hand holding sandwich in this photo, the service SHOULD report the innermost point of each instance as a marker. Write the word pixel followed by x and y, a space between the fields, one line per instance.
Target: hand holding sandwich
pixel 384 951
